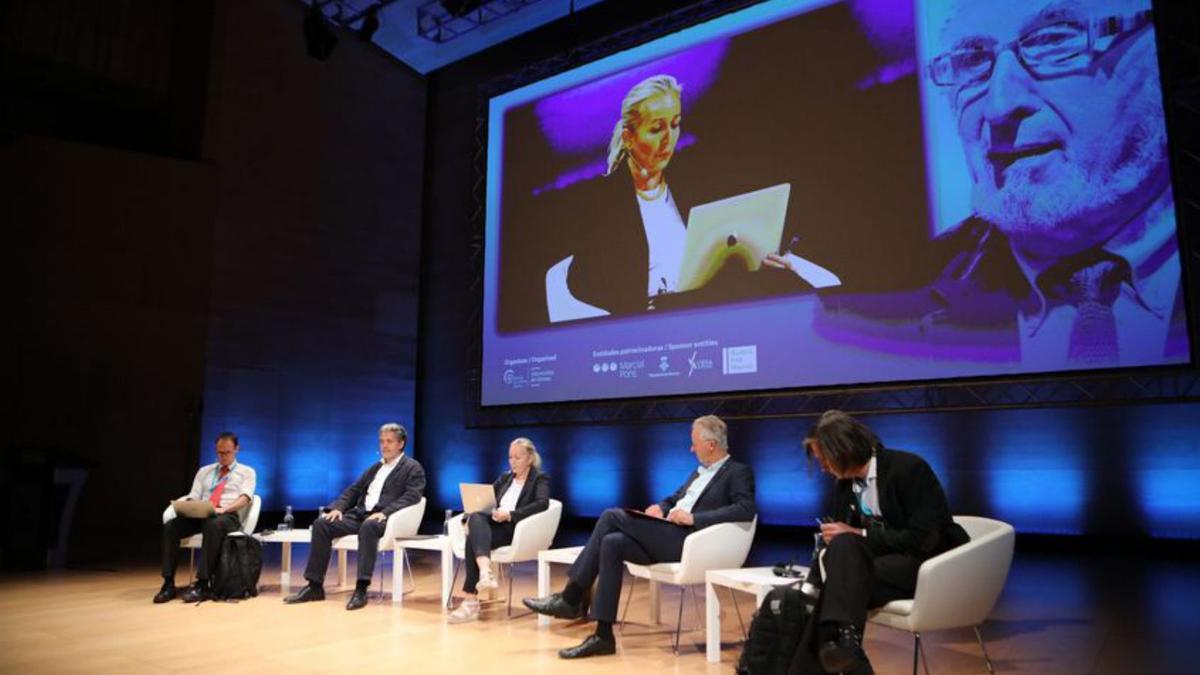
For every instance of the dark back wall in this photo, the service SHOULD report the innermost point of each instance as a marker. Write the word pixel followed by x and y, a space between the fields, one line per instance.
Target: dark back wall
pixel 109 259
pixel 1117 469
pixel 266 283
pixel 312 330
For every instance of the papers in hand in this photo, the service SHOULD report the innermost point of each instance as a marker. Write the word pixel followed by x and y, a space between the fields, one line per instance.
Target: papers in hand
pixel 638 513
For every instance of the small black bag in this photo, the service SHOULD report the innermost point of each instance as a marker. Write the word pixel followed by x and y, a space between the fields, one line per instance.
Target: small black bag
pixel 238 568
pixel 775 632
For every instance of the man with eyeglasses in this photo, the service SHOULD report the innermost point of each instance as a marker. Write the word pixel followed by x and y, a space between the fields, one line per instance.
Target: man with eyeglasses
pixel 1072 240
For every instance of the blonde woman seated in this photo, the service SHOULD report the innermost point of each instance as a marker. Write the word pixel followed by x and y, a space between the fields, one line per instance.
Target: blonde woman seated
pixel 521 493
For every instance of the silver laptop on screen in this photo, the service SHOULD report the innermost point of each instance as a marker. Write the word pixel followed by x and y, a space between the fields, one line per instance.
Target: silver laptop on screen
pixel 745 228
pixel 477 497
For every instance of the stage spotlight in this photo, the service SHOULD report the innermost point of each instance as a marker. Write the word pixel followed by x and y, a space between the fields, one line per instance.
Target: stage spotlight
pixel 318 35
pixel 370 23
pixel 459 8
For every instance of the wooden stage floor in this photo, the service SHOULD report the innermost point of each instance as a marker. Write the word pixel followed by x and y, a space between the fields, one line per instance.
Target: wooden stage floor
pixel 1059 614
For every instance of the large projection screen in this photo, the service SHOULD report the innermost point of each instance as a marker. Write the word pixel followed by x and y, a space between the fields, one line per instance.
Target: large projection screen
pixel 811 194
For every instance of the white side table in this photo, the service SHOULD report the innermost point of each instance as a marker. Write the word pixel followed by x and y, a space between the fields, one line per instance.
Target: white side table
pixel 440 543
pixel 561 556
pixel 286 538
pixel 756 580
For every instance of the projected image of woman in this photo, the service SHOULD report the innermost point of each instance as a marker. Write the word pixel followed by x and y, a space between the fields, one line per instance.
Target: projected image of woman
pixel 623 263
pixel 643 142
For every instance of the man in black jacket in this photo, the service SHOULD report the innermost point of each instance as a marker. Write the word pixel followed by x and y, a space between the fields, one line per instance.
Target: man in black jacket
pixel 720 490
pixel 395 482
pixel 890 515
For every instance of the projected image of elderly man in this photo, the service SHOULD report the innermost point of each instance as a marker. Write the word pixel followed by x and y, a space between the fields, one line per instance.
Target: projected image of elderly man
pixel 1058 106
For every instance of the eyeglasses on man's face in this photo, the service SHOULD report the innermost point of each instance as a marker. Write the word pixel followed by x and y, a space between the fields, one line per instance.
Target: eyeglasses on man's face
pixel 1052 50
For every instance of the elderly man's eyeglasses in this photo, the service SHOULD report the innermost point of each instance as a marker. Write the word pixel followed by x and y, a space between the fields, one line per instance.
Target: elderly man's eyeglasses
pixel 1049 51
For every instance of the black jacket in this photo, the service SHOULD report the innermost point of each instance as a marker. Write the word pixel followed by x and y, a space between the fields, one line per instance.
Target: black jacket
pixel 916 517
pixel 728 497
pixel 535 495
pixel 404 486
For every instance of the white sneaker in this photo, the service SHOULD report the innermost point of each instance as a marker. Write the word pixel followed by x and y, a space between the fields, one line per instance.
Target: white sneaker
pixel 467 611
pixel 487 581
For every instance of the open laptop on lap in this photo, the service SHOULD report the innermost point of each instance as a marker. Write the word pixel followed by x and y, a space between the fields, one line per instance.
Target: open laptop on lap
pixel 477 497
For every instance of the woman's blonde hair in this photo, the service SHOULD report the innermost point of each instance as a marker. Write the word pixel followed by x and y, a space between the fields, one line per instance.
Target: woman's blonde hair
pixel 531 449
pixel 647 88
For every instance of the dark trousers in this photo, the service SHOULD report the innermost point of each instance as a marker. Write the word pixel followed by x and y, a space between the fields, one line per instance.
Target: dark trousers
pixel 214 528
pixel 325 531
pixel 619 537
pixel 857 581
pixel 483 534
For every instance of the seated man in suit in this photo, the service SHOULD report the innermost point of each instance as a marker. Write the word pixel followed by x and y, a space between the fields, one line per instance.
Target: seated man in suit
pixel 890 515
pixel 229 486
pixel 720 490
pixel 393 483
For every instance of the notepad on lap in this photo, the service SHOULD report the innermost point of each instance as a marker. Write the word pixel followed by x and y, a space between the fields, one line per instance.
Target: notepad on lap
pixel 193 508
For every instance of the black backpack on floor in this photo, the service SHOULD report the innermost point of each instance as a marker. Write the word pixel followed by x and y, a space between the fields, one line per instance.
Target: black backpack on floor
pixel 775 632
pixel 238 568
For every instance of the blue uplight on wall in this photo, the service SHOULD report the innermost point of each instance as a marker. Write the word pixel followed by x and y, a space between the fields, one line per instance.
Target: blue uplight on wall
pixel 1170 501
pixel 595 472
pixel 1036 468
pixel 787 492
pixel 457 463
pixel 1167 439
pixel 314 471
pixel 670 462
pixel 925 435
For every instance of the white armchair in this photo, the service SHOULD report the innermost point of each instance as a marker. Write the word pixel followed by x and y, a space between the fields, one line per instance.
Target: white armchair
pixel 249 516
pixel 403 523
pixel 717 547
pixel 530 536
pixel 957 588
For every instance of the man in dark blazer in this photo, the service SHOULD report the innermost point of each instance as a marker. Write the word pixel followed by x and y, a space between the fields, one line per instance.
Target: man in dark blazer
pixel 395 482
pixel 720 490
pixel 890 515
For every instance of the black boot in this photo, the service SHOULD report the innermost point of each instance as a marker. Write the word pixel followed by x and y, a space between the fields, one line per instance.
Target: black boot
pixel 166 593
pixel 310 593
pixel 842 651
pixel 359 599
pixel 198 591
pixel 592 645
pixel 554 605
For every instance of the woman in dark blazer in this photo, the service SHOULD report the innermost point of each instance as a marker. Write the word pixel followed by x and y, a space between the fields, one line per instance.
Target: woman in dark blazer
pixel 520 493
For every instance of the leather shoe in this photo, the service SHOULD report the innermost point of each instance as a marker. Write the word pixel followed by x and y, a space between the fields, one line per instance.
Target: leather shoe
pixel 197 592
pixel 309 593
pixel 166 593
pixel 554 605
pixel 593 645
pixel 845 653
pixel 358 600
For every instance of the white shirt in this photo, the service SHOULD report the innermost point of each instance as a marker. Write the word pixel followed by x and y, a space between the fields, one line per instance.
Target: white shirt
pixel 666 235
pixel 376 485
pixel 868 494
pixel 509 501
pixel 1142 309
pixel 704 476
pixel 241 480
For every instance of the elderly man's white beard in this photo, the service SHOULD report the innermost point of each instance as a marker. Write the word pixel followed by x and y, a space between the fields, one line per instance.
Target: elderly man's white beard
pixel 1073 211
